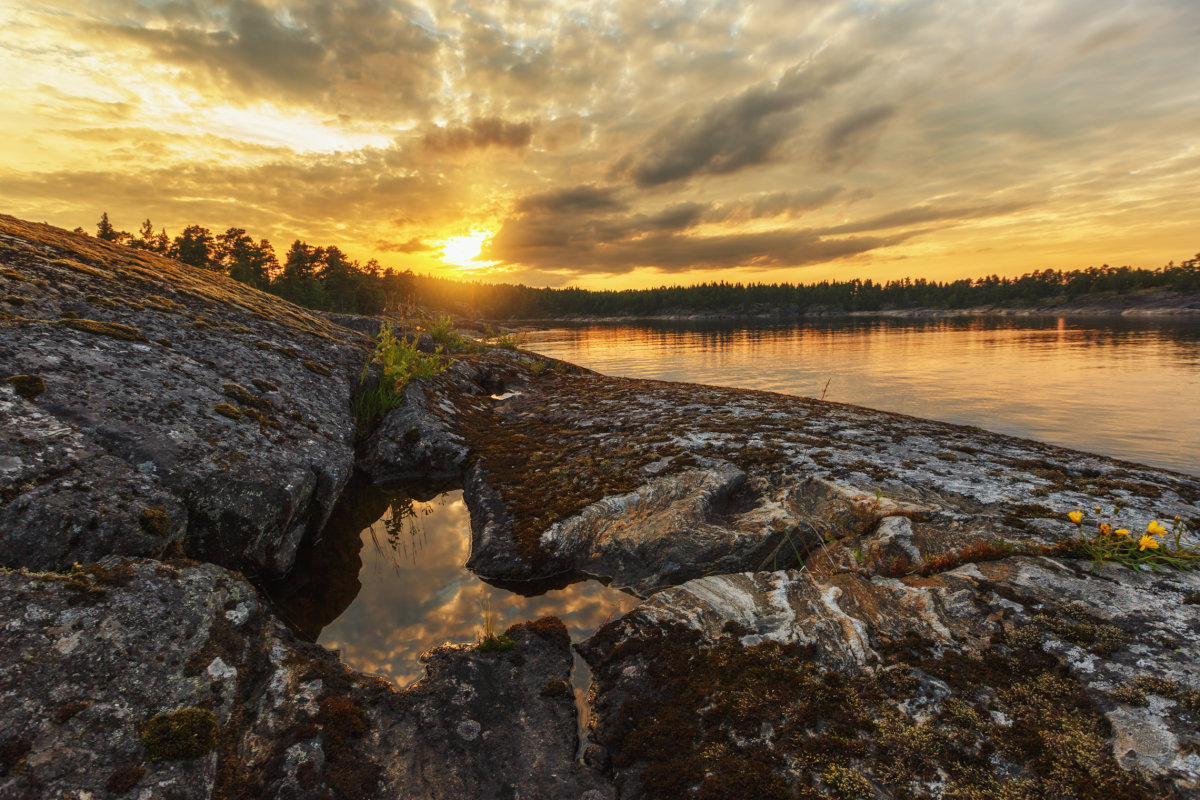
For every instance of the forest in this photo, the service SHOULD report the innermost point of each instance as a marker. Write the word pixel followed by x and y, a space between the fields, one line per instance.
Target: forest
pixel 325 278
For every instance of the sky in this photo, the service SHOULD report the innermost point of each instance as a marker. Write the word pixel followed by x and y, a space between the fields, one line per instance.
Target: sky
pixel 621 143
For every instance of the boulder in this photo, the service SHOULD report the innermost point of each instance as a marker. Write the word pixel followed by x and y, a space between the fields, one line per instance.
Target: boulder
pixel 154 404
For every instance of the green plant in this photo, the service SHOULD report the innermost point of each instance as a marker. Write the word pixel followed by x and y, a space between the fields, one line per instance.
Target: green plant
pixel 1159 547
pixel 538 367
pixel 489 641
pixel 445 335
pixel 505 341
pixel 400 362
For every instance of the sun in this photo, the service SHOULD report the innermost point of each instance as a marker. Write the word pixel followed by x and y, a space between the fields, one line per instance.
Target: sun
pixel 463 251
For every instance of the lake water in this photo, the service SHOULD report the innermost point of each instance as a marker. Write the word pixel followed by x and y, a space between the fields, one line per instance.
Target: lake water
pixel 387 581
pixel 1123 388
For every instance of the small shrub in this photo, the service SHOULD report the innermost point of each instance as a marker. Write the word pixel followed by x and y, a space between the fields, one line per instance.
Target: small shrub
pixel 401 362
pixel 488 641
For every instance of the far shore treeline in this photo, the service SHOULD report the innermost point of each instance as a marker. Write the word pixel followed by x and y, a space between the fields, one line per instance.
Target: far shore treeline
pixel 325 278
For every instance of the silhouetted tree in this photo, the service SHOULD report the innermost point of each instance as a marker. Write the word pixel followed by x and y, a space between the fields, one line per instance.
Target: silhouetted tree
pixel 194 246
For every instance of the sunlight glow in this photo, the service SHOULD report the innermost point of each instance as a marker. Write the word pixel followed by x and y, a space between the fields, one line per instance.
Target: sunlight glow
pixel 463 251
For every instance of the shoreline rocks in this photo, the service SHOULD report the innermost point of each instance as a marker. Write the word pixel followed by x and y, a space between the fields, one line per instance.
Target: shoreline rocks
pixel 836 601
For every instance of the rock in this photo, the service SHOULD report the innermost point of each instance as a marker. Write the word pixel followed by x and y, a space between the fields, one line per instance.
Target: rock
pixel 651 483
pixel 174 680
pixel 170 389
pixel 1026 677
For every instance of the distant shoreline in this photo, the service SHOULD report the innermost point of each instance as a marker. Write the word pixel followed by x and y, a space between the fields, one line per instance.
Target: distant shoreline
pixel 1148 305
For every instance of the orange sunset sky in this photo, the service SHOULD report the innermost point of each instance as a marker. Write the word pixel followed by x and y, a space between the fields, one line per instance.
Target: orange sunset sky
pixel 621 144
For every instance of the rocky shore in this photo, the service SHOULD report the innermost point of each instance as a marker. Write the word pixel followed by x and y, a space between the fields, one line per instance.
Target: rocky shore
pixel 837 602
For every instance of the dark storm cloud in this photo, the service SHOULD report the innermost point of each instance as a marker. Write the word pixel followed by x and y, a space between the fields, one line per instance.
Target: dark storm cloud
pixel 413 245
pixel 739 131
pixel 366 57
pixel 480 133
pixel 850 140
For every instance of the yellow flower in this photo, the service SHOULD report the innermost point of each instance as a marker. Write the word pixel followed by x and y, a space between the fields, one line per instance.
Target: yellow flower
pixel 1097 509
pixel 1122 531
pixel 1076 517
pixel 1155 528
pixel 1105 528
pixel 1148 542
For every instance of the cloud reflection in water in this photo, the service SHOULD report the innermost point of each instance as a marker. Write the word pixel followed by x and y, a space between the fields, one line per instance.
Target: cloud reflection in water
pixel 416 593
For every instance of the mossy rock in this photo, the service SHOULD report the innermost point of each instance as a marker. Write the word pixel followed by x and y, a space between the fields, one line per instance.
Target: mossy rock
pixel 317 367
pixel 28 386
pixel 180 735
pixel 114 329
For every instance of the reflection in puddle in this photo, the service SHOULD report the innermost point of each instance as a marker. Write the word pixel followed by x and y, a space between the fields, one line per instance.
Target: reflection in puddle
pixel 399 587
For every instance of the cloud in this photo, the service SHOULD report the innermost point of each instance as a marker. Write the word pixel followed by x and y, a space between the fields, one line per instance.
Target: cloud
pixel 479 133
pixel 363 57
pixel 740 131
pixel 919 215
pixel 850 141
pixel 413 245
pixel 571 200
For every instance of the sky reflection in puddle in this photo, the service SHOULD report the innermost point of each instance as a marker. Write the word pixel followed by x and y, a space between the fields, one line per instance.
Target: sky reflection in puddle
pixel 413 591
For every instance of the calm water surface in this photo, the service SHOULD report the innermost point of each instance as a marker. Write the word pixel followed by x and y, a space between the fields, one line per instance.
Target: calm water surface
pixel 1113 386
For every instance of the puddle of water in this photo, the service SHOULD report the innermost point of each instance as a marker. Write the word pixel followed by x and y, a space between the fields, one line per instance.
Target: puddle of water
pixel 387 583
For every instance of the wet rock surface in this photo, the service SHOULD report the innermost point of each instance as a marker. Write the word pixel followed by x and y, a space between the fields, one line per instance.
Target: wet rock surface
pixel 221 412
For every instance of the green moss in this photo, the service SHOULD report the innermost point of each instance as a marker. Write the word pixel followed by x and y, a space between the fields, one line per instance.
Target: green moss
pixel 694 725
pixel 343 724
pixel 181 735
pixel 12 274
pixel 15 300
pixel 264 385
pixel 495 644
pixel 549 628
pixel 317 367
pixel 103 302
pixel 226 410
pixel 556 689
pixel 27 386
pixel 114 329
pixel 246 397
pixel 164 341
pixel 155 521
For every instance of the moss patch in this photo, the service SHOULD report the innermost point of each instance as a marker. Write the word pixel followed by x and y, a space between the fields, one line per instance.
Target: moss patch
pixel 723 720
pixel 114 329
pixel 180 735
pixel 27 386
pixel 317 367
pixel 226 410
pixel 155 521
